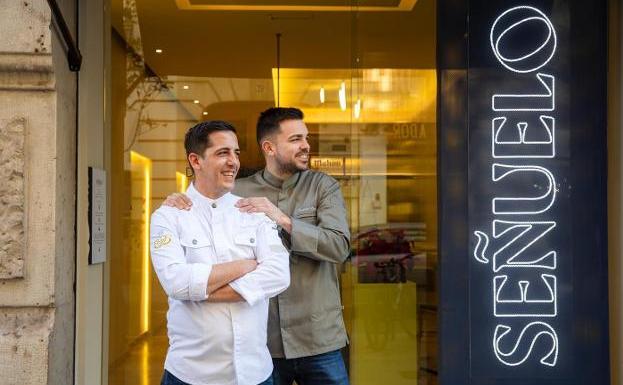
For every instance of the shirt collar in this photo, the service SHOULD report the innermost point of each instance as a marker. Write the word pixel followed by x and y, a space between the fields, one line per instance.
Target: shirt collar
pixel 278 183
pixel 195 195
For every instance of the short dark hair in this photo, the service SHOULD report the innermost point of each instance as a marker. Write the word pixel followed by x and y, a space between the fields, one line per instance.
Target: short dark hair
pixel 198 136
pixel 269 120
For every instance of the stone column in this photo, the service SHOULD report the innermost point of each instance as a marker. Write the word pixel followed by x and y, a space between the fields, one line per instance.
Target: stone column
pixel 37 197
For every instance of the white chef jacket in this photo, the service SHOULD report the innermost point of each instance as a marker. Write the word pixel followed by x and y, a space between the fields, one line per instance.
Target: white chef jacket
pixel 217 343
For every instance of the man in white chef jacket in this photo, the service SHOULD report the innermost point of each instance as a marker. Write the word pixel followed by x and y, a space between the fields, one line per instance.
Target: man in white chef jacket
pixel 219 267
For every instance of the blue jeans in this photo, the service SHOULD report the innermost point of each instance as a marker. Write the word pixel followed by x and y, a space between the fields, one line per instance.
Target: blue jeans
pixel 322 369
pixel 169 379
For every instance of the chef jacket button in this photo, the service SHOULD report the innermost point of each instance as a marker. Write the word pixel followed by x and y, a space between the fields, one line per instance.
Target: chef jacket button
pixel 252 240
pixel 194 241
pixel 213 205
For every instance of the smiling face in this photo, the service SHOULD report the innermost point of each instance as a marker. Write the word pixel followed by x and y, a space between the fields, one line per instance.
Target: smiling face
pixel 215 171
pixel 290 148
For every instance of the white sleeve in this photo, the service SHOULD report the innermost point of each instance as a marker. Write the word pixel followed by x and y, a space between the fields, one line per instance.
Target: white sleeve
pixel 272 275
pixel 180 280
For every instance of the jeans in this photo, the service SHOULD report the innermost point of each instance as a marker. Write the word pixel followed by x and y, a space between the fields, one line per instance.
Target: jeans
pixel 322 369
pixel 169 379
pixel 268 381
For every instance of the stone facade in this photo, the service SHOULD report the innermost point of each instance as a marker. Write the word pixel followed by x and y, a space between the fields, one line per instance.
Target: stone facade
pixel 37 196
pixel 12 198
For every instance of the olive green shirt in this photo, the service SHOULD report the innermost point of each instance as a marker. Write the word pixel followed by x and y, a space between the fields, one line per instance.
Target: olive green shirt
pixel 306 319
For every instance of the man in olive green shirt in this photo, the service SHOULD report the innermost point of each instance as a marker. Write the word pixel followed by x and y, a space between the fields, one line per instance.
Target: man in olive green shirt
pixel 305 324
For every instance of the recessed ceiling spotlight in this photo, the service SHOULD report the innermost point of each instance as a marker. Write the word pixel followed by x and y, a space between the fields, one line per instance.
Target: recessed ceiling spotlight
pixel 358 109
pixel 158 50
pixel 205 113
pixel 342 96
pixel 196 101
pixel 186 87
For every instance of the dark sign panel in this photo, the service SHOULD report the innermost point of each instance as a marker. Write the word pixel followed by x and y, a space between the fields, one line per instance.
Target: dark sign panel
pixel 526 239
pixel 521 270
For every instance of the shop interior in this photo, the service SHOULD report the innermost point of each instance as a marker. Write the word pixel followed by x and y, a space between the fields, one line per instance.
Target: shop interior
pixel 364 74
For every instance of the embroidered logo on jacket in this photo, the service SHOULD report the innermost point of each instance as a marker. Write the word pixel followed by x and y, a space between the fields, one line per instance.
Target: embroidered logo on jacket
pixel 162 241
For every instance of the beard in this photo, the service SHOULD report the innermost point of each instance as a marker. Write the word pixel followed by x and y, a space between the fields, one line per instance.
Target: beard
pixel 290 166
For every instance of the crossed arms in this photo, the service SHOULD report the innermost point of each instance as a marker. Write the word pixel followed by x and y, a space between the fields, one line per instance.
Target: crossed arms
pixel 247 280
pixel 224 273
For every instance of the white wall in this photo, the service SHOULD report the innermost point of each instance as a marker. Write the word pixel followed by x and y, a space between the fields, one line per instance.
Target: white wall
pixel 91 315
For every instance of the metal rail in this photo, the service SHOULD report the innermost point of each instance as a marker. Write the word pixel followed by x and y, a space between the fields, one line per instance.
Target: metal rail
pixel 74 57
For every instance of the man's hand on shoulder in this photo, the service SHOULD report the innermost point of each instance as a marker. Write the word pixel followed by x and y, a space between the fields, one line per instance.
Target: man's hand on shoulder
pixel 263 205
pixel 179 201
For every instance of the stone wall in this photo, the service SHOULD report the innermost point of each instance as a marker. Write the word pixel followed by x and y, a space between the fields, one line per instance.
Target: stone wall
pixel 12 197
pixel 37 195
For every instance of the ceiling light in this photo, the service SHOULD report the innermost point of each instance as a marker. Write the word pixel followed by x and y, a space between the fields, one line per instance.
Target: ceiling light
pixel 322 95
pixel 186 87
pixel 196 101
pixel 386 81
pixel 158 50
pixel 357 109
pixel 205 113
pixel 375 74
pixel 342 96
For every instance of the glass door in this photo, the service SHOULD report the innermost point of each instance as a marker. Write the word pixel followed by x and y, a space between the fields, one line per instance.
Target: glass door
pixel 364 74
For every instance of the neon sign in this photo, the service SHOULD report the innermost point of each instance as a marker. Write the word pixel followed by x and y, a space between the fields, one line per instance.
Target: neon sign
pixel 524 266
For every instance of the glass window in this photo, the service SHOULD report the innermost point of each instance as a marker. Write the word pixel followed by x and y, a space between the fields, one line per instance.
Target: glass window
pixel 364 74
